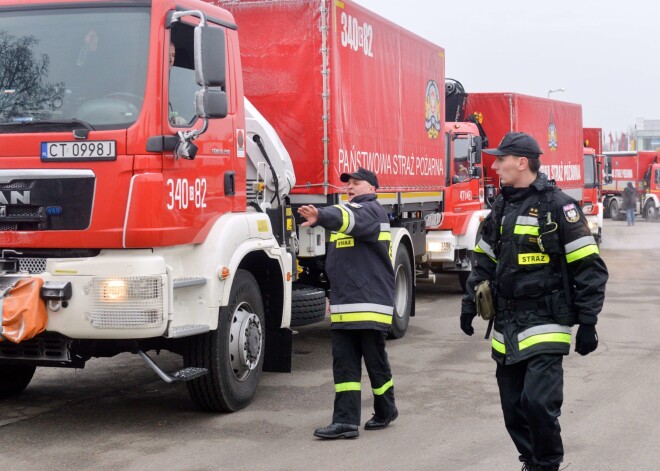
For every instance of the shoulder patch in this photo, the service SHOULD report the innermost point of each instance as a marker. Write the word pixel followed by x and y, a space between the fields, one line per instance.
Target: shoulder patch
pixel 571 213
pixel 354 205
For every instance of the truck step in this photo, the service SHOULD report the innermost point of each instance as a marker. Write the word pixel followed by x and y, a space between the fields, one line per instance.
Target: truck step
pixel 183 375
pixel 189 281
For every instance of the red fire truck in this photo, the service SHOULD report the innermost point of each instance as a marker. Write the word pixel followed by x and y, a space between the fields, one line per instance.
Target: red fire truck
pixel 154 209
pixel 638 168
pixel 593 173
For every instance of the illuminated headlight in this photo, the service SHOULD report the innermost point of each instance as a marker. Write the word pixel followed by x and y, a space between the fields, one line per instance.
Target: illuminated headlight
pixel 588 209
pixel 113 290
pixel 438 247
pixel 593 226
pixel 127 302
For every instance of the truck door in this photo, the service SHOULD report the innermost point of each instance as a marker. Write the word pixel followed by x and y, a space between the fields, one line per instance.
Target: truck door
pixel 203 188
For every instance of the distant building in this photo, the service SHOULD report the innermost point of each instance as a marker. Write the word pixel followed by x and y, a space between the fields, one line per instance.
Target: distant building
pixel 647 134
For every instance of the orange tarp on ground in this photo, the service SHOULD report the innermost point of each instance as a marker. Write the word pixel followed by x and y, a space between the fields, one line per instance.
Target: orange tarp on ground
pixel 23 311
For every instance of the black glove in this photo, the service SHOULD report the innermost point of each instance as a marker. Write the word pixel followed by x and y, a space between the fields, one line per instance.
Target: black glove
pixel 586 340
pixel 468 312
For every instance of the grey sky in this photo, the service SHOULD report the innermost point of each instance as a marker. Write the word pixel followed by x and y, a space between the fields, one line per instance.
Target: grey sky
pixel 606 54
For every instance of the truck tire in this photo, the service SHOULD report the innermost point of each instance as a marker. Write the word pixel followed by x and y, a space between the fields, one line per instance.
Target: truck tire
pixel 650 212
pixel 233 353
pixel 14 379
pixel 615 212
pixel 307 305
pixel 403 294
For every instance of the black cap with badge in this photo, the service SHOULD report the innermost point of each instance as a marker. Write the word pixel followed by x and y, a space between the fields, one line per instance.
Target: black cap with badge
pixel 518 144
pixel 361 174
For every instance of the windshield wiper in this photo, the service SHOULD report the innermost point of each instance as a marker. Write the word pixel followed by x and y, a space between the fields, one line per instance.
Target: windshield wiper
pixel 48 122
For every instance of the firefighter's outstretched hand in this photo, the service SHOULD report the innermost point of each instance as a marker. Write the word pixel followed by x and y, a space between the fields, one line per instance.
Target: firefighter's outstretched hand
pixel 586 340
pixel 468 312
pixel 310 213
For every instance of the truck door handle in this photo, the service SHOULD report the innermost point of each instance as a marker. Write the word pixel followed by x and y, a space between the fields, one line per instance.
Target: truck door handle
pixel 230 183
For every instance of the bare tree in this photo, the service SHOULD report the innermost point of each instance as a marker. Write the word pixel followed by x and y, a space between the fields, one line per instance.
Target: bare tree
pixel 24 90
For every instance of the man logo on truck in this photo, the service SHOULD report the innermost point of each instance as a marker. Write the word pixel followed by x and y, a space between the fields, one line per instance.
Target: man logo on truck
pixel 15 197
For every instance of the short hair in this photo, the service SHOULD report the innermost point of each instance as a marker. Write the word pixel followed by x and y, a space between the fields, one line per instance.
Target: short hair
pixel 534 164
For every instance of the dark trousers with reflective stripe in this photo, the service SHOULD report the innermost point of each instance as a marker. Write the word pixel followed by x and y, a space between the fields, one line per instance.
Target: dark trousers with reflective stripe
pixel 531 393
pixel 348 349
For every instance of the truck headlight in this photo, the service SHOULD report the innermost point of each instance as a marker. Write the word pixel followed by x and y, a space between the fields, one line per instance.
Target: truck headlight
pixel 438 247
pixel 111 290
pixel 127 302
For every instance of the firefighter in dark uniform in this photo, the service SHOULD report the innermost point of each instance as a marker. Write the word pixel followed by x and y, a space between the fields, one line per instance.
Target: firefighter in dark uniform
pixel 359 269
pixel 546 273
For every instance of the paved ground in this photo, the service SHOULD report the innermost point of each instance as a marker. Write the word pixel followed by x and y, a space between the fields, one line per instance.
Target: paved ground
pixel 115 414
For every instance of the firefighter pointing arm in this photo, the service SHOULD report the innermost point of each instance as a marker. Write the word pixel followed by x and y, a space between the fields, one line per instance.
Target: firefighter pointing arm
pixel 538 252
pixel 361 279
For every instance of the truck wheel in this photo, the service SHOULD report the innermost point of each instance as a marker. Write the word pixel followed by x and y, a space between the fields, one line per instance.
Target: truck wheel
pixel 15 378
pixel 403 294
pixel 650 213
pixel 615 212
pixel 307 305
pixel 233 353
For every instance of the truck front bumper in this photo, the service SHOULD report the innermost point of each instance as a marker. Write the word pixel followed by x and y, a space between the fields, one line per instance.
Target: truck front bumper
pixel 115 295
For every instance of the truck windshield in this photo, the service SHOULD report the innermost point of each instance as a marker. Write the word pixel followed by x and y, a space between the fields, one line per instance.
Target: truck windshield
pixel 589 171
pixel 461 157
pixel 63 67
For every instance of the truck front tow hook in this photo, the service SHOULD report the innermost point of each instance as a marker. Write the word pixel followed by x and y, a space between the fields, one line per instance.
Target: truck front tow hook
pixel 181 376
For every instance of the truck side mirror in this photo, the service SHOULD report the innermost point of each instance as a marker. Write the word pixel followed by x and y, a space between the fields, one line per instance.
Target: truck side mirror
pixel 210 56
pixel 475 149
pixel 211 104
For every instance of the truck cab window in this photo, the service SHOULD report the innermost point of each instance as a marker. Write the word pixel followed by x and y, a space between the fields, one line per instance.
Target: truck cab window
pixel 182 85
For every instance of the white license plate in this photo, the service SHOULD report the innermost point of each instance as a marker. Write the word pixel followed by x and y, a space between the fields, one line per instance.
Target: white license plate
pixel 73 150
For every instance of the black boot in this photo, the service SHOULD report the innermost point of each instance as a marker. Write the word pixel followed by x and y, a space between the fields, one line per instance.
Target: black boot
pixel 337 431
pixel 376 423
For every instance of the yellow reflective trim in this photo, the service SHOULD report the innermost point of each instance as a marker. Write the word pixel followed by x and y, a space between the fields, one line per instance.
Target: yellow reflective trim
pixel 385 235
pixel 345 218
pixel 334 236
pixel 362 317
pixel 343 387
pixel 581 253
pixel 478 249
pixel 380 391
pixel 526 230
pixel 542 338
pixel 343 243
pixel 533 258
pixel 498 346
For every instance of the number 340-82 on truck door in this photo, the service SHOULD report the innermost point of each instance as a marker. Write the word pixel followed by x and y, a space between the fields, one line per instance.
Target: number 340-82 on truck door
pixel 182 193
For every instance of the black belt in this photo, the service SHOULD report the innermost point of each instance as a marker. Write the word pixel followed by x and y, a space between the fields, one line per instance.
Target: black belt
pixel 521 304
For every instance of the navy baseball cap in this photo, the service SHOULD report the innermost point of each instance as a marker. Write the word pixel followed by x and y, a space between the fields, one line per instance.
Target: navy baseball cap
pixel 518 144
pixel 361 174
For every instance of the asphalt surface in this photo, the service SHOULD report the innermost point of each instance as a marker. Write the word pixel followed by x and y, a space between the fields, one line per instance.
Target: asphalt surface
pixel 117 415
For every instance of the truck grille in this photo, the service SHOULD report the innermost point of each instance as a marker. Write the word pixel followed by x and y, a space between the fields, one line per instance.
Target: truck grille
pixel 32 265
pixel 41 348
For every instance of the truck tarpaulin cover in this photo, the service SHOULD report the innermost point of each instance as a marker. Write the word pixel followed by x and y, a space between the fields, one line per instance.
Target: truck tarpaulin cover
pixel 386 91
pixel 23 311
pixel 556 125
